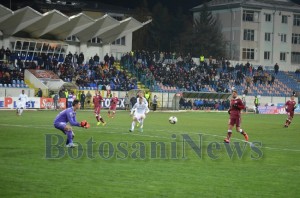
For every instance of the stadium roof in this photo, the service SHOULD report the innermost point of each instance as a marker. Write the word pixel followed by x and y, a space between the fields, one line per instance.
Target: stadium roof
pixel 33 24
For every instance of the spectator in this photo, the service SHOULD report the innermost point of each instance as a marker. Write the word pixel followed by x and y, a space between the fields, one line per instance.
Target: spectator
pixel 154 102
pixel 126 102
pixel 276 68
pixel 82 100
pixel 39 93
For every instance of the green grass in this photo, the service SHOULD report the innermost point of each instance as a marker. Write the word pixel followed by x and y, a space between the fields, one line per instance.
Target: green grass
pixel 25 171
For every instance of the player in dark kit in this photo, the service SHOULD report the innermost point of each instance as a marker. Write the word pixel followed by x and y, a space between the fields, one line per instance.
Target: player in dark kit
pixel 97 99
pixel 113 106
pixel 236 106
pixel 290 107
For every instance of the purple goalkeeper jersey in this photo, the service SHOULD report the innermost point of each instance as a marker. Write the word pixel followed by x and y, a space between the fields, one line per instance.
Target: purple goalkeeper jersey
pixel 67 115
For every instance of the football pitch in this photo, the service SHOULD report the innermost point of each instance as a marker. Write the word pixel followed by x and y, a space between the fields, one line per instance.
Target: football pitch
pixel 188 159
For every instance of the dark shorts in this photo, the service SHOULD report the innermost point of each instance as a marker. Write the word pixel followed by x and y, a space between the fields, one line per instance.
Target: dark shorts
pixel 97 110
pixel 113 108
pixel 291 114
pixel 235 121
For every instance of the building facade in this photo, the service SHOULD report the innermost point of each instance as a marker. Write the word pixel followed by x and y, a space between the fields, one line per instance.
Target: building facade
pixel 261 32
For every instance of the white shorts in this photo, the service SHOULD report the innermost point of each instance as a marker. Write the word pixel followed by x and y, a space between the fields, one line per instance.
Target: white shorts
pixel 21 105
pixel 139 116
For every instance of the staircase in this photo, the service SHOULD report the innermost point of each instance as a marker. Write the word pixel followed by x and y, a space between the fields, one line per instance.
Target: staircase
pixel 140 85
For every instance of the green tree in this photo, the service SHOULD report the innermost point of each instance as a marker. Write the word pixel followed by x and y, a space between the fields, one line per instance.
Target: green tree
pixel 141 39
pixel 205 38
pixel 160 28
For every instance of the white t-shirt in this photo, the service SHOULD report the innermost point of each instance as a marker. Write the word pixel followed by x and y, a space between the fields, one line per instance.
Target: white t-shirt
pixel 140 108
pixel 23 98
pixel 144 100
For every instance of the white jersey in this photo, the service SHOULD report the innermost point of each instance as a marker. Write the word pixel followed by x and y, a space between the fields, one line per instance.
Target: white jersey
pixel 22 100
pixel 144 100
pixel 140 108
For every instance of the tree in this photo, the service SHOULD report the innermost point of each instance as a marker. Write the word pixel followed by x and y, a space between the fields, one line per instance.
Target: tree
pixel 141 38
pixel 160 28
pixel 205 38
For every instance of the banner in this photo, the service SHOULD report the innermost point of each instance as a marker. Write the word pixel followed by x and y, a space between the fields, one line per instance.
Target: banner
pixel 106 103
pixel 48 103
pixel 32 103
pixel 278 109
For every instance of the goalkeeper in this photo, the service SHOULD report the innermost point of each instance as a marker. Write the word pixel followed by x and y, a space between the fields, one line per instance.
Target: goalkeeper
pixel 69 115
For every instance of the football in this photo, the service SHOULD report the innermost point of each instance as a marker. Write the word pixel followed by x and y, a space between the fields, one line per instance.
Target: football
pixel 172 120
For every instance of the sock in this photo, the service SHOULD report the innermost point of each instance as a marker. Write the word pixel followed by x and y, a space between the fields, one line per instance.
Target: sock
pixel 229 132
pixel 97 118
pixel 142 122
pixel 69 137
pixel 101 119
pixel 286 122
pixel 289 122
pixel 132 125
pixel 242 132
pixel 20 111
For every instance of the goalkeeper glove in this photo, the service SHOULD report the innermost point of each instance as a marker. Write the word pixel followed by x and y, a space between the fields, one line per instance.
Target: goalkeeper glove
pixel 84 124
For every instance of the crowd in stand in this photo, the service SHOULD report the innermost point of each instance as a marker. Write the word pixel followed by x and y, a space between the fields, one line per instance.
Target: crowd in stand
pixel 93 73
pixel 159 70
pixel 8 72
pixel 176 72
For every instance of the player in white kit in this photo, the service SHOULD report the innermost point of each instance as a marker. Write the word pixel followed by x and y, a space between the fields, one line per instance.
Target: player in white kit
pixel 139 111
pixel 23 98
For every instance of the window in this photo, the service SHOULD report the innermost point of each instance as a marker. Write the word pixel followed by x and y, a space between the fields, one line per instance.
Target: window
pixel 282 56
pixel 267 55
pixel 283 38
pixel 284 19
pixel 120 41
pixel 249 35
pixel 95 40
pixel 248 15
pixel 268 17
pixel 267 36
pixel 248 53
pixel 123 40
pixel 295 58
pixel 296 20
pixel 71 38
pixel 295 38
